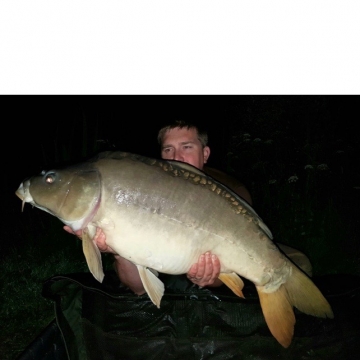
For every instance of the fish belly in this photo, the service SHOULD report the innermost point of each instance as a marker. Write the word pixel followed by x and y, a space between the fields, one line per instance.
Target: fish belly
pixel 170 246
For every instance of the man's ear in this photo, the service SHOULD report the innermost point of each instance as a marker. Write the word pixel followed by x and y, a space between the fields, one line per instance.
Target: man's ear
pixel 206 152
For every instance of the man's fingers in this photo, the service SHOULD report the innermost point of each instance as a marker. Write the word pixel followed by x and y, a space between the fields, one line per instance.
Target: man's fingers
pixel 193 271
pixel 68 229
pixel 202 272
pixel 208 265
pixel 216 266
pixel 205 271
pixel 78 233
pixel 201 266
pixel 100 240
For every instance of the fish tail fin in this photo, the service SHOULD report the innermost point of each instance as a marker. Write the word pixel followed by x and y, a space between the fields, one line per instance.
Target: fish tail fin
pixel 277 306
pixel 278 313
pixel 305 295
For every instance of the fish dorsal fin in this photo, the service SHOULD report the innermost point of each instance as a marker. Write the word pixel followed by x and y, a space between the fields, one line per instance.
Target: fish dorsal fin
pixel 119 155
pixel 187 171
pixel 152 284
pixel 92 254
pixel 186 167
pixel 265 228
pixel 234 282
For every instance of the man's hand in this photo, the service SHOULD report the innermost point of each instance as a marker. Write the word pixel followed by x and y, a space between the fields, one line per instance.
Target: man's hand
pixel 71 231
pixel 206 271
pixel 100 239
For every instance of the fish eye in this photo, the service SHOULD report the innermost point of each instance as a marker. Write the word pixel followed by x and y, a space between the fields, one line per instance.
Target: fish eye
pixel 50 177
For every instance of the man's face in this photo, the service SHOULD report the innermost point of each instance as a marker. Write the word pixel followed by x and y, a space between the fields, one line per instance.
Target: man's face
pixel 184 145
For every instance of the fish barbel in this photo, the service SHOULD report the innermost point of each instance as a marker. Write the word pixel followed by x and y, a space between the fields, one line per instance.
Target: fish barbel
pixel 162 215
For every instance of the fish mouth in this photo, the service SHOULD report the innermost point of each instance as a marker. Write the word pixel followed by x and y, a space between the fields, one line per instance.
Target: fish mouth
pixel 62 200
pixel 24 194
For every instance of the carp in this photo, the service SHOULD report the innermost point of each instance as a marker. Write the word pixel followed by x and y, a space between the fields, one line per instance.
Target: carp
pixel 162 215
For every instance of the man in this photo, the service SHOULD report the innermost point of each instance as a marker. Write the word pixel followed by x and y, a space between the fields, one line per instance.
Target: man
pixel 185 142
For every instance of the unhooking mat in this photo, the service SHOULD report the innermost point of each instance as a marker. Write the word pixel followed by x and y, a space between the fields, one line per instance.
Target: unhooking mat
pixel 107 321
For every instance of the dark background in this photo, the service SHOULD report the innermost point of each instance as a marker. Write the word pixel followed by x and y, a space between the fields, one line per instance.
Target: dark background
pixel 40 132
pixel 37 129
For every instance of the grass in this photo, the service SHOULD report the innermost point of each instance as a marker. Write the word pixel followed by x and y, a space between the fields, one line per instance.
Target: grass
pixel 24 313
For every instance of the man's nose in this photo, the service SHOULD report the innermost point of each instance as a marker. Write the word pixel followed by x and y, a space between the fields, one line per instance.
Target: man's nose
pixel 178 156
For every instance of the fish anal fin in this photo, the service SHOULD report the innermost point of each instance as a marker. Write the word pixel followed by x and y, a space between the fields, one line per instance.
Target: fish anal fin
pixel 233 282
pixel 92 255
pixel 279 314
pixel 152 284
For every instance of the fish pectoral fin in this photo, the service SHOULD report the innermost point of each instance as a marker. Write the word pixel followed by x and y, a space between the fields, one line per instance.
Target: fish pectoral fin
pixel 92 255
pixel 152 284
pixel 234 282
pixel 278 313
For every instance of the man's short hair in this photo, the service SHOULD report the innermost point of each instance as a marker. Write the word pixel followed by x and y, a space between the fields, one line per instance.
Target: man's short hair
pixel 201 133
